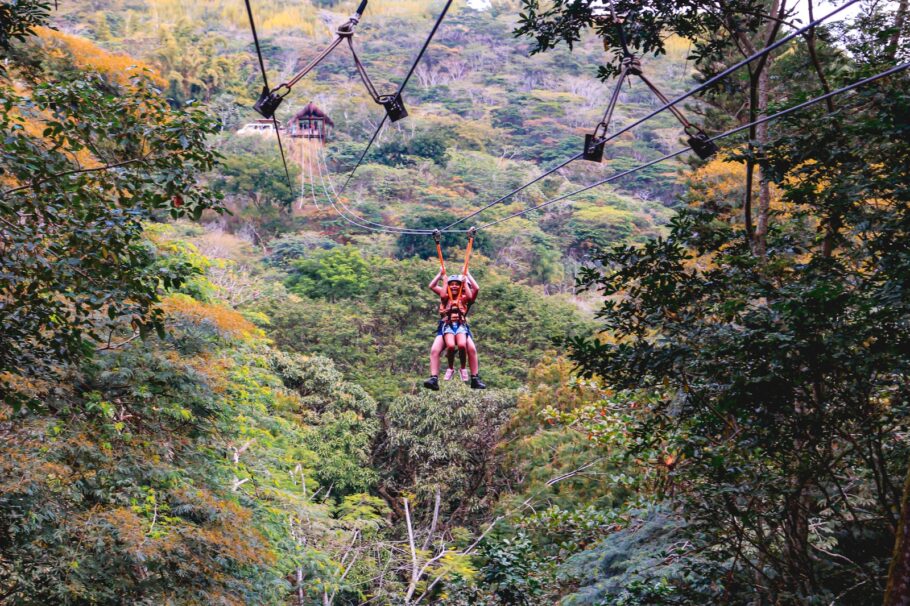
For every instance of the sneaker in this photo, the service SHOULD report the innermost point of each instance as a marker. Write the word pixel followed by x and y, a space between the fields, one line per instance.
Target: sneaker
pixel 464 375
pixel 449 373
pixel 432 383
pixel 476 383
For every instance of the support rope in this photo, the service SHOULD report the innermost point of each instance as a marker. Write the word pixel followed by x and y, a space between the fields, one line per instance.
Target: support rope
pixel 404 83
pixel 265 83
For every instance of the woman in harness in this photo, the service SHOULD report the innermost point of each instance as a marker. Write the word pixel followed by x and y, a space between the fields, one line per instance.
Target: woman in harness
pixel 453 332
pixel 452 326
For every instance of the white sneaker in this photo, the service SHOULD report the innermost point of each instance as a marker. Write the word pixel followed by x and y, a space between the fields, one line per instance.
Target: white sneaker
pixel 449 373
pixel 464 375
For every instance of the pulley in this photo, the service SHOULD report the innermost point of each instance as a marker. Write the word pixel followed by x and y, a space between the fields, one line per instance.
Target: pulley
pixel 394 107
pixel 700 143
pixel 594 146
pixel 268 103
pixel 270 100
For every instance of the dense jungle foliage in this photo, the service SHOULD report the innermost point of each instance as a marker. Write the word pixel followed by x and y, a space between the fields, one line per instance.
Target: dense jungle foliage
pixel 211 381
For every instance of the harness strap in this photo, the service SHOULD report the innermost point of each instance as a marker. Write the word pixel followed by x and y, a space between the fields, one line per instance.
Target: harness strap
pixel 455 298
pixel 467 260
pixel 442 264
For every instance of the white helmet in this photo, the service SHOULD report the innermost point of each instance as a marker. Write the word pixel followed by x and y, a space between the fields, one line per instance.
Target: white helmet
pixel 455 278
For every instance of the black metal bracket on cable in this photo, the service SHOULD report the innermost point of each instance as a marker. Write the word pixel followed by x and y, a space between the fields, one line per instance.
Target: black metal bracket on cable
pixel 395 103
pixel 631 66
pixel 270 99
pixel 265 87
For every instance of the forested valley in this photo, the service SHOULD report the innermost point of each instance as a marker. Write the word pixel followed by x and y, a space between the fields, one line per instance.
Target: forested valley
pixel 696 349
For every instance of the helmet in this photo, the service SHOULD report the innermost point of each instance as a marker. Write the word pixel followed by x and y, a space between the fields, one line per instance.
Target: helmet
pixel 455 278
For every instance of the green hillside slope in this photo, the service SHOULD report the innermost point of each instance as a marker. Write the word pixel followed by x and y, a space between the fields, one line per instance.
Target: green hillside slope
pixel 212 381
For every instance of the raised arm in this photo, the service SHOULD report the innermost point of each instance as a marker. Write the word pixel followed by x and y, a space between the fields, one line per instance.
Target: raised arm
pixel 472 287
pixel 434 285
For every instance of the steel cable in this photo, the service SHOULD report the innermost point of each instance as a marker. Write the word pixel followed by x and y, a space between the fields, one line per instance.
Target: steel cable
pixel 357 221
pixel 378 226
pixel 265 82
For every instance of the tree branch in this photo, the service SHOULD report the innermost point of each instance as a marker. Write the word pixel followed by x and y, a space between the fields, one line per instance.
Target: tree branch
pixel 78 171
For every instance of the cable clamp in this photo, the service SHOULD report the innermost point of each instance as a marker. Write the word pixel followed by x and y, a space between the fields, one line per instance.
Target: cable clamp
pixel 700 142
pixel 346 29
pixel 632 64
pixel 394 106
pixel 437 235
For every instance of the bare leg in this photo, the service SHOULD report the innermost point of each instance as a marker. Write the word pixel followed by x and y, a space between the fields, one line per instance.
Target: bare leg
pixel 462 342
pixel 435 353
pixel 450 342
pixel 472 356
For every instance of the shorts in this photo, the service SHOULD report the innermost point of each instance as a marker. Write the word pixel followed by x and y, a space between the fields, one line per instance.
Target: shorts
pixel 440 329
pixel 455 329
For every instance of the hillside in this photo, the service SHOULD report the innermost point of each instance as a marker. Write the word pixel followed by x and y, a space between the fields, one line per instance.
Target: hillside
pixel 484 115
pixel 212 380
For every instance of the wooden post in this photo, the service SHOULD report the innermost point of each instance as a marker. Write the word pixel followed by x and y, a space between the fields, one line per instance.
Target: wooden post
pixel 897 592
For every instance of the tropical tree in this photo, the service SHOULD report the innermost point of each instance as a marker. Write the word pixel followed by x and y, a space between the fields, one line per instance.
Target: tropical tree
pixel 784 372
pixel 84 162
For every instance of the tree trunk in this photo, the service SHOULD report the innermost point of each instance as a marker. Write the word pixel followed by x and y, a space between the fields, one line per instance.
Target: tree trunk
pixel 899 19
pixel 816 63
pixel 898 589
pixel 797 537
pixel 759 102
pixel 764 191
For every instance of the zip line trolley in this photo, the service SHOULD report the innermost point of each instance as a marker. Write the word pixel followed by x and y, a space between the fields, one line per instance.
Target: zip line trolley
pixel 270 99
pixel 698 139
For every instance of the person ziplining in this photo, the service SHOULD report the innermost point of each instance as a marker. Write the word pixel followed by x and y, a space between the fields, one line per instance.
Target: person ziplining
pixel 452 331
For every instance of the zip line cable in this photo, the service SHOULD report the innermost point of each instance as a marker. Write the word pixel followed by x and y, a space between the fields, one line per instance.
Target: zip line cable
pixel 265 82
pixel 780 114
pixel 660 109
pixel 379 226
pixel 373 226
pixel 364 153
pixel 312 172
pixel 404 83
pixel 303 183
pixel 425 46
pixel 357 220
